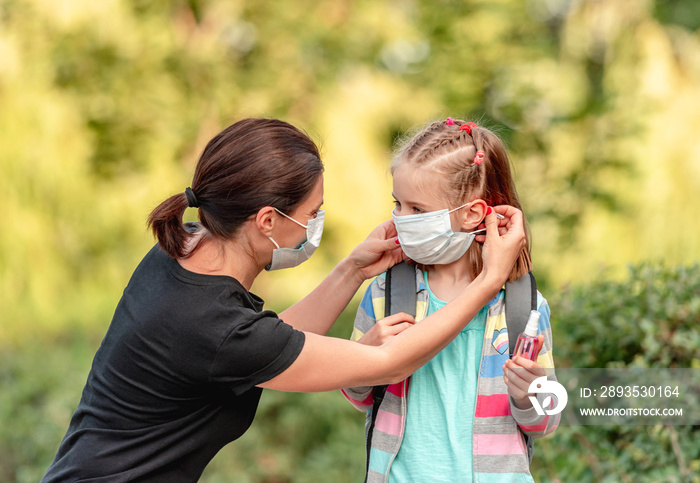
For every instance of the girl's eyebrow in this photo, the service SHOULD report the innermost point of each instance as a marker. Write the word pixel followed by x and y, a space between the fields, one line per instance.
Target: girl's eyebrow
pixel 413 204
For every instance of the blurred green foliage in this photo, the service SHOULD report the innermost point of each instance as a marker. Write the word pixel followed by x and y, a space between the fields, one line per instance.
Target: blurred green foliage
pixel 104 107
pixel 649 320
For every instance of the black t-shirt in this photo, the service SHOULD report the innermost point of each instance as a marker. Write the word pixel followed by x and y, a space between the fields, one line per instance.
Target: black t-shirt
pixel 174 378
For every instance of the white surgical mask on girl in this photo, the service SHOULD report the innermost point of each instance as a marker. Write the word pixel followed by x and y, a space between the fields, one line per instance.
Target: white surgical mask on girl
pixel 428 238
pixel 291 257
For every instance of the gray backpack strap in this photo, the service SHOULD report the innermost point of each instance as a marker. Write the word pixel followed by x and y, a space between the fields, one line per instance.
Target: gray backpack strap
pixel 399 296
pixel 400 291
pixel 521 298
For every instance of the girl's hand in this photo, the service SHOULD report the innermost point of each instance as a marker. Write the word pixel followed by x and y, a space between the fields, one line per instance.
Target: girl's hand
pixel 379 252
pixel 504 240
pixel 518 374
pixel 387 328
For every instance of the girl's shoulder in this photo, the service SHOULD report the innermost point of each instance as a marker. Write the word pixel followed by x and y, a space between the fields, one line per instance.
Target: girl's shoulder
pixel 378 284
pixel 542 302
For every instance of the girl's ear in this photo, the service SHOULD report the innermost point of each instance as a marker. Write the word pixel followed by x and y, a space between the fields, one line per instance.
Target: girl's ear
pixel 265 220
pixel 473 214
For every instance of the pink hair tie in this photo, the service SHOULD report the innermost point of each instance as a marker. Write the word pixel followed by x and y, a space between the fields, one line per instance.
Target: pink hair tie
pixel 449 121
pixel 479 158
pixel 467 126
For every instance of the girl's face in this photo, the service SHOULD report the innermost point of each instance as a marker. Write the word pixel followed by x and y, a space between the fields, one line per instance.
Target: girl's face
pixel 416 191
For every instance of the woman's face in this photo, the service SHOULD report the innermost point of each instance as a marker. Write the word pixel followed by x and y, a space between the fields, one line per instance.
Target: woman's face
pixel 293 235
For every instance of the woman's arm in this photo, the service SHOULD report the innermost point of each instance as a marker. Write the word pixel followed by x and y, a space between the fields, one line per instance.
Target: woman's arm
pixel 369 331
pixel 319 310
pixel 328 363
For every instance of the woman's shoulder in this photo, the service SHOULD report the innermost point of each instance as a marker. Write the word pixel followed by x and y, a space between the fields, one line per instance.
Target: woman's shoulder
pixel 160 281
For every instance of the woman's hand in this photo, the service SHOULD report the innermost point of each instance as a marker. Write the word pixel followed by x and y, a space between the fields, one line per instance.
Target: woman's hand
pixel 387 328
pixel 518 374
pixel 379 251
pixel 504 240
pixel 319 310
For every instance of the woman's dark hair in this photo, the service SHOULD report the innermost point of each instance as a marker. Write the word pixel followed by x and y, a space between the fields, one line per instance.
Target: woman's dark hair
pixel 249 165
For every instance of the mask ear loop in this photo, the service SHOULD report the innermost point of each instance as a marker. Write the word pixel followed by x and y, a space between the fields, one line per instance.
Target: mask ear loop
pixel 498 215
pixel 286 216
pixel 465 204
pixel 289 217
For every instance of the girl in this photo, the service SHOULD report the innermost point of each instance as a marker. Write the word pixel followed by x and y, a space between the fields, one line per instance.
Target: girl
pixel 180 371
pixel 462 416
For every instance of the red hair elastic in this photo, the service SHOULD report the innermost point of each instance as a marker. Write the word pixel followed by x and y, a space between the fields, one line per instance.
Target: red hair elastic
pixel 479 158
pixel 467 126
pixel 449 121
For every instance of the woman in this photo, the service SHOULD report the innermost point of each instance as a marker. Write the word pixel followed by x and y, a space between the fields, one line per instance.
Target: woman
pixel 180 371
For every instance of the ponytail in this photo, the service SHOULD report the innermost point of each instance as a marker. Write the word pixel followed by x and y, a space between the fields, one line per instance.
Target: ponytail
pixel 166 222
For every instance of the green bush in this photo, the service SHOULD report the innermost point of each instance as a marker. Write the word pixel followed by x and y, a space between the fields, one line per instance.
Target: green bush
pixel 649 320
pixel 41 387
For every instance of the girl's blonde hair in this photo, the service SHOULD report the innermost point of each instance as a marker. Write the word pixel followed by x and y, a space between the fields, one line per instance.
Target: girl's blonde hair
pixel 449 150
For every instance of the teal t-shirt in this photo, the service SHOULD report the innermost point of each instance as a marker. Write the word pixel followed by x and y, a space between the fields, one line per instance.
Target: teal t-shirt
pixel 437 442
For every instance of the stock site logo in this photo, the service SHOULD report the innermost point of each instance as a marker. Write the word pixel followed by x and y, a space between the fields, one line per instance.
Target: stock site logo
pixel 552 388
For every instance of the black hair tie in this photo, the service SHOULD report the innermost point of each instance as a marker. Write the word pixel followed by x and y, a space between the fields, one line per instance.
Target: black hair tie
pixel 191 198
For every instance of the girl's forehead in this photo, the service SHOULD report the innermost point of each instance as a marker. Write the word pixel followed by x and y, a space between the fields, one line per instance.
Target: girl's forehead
pixel 418 184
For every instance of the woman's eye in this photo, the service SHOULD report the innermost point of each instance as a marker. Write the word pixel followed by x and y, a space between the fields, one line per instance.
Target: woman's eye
pixel 417 210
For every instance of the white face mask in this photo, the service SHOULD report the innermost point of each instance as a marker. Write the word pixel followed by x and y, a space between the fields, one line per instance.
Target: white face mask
pixel 428 238
pixel 291 257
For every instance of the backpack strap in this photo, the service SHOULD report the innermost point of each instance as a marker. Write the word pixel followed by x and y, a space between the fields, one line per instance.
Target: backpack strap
pixel 521 298
pixel 399 296
pixel 520 295
pixel 400 290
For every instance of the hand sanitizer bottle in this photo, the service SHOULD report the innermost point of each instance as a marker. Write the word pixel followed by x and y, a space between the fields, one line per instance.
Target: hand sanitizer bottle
pixel 527 341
